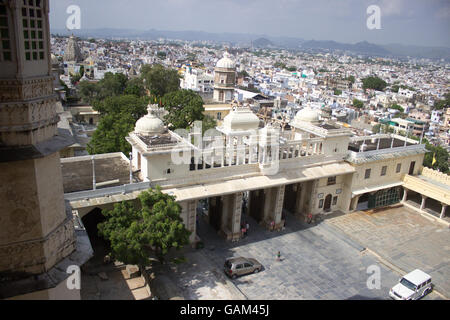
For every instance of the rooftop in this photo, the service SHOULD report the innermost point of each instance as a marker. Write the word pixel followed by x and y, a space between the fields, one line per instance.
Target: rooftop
pixel 77 172
pixel 385 143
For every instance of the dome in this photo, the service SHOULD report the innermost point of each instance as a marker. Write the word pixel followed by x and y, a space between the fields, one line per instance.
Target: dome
pixel 241 119
pixel 226 62
pixel 308 115
pixel 149 124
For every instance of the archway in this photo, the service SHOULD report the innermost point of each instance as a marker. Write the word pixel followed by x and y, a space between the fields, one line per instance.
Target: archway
pixel 327 205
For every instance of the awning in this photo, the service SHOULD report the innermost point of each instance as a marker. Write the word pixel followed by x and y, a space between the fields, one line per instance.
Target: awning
pixel 259 182
pixel 380 187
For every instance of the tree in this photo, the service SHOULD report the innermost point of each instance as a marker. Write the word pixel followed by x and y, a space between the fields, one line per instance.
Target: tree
pixel 88 91
pixel 184 107
pixel 159 80
pixel 351 79
pixel 208 123
pixel 440 154
pixel 110 134
pixel 124 104
pixel 119 116
pixel 291 68
pixel 112 85
pixel 74 78
pixel 443 104
pixel 135 87
pixel 358 104
pixel 137 232
pixel 337 92
pixel 374 83
pixel 397 107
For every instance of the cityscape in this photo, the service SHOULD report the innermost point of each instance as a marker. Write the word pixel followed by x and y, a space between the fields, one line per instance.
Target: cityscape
pixel 222 165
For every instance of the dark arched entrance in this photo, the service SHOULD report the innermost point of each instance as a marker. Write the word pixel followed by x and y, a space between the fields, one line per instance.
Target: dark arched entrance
pixel 327 205
pixel 90 222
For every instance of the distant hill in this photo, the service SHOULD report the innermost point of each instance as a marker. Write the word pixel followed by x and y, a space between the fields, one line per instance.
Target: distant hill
pixel 360 47
pixel 264 41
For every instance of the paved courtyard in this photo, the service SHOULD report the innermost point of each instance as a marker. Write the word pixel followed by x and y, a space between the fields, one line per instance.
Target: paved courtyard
pixel 404 238
pixel 318 262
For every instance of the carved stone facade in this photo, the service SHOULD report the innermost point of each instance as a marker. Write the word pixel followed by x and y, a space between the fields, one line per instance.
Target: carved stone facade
pixel 36 230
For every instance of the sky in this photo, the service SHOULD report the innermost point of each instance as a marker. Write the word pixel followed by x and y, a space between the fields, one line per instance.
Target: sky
pixel 409 22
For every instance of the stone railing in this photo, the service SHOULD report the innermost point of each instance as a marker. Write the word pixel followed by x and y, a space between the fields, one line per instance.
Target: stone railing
pixel 436 175
pixel 99 193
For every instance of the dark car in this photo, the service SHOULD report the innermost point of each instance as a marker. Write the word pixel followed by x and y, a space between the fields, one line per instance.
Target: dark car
pixel 235 267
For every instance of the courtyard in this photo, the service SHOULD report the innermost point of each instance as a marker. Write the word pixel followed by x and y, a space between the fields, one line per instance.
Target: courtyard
pixel 317 261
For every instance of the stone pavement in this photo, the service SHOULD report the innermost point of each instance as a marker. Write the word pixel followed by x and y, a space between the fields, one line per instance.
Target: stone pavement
pixel 317 263
pixel 405 239
pixel 195 279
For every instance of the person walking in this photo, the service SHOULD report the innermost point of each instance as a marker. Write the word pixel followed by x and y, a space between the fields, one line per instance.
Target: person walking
pixel 247 226
pixel 272 225
pixel 279 256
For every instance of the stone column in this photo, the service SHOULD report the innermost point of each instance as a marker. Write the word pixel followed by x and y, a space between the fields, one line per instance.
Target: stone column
pixel 189 216
pixel 422 205
pixel 405 194
pixel 444 207
pixel 231 216
pixel 273 207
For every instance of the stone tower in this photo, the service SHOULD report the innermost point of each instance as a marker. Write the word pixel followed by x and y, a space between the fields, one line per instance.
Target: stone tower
pixel 224 79
pixel 72 52
pixel 36 228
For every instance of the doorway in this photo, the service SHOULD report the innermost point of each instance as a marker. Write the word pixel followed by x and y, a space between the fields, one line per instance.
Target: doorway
pixel 327 205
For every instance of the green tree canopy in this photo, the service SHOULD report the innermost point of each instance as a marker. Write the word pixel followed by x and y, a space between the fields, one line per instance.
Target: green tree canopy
pixel 88 91
pixel 136 232
pixel 110 134
pixel 337 92
pixel 184 107
pixel 443 104
pixel 441 158
pixel 119 116
pixel 159 80
pixel 397 107
pixel 351 79
pixel 374 83
pixel 358 104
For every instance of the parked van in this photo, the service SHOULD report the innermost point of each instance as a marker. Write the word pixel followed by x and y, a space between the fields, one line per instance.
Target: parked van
pixel 413 286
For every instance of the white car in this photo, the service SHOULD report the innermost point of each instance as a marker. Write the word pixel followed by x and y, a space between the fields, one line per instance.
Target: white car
pixel 412 286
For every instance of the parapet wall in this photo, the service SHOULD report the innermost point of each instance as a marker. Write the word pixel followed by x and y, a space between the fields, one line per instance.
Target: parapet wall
pixel 436 175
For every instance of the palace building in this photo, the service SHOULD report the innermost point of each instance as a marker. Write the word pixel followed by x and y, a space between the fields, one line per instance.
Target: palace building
pixel 317 167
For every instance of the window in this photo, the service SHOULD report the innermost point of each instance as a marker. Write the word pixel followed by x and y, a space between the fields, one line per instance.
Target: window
pixel 367 174
pixel 383 170
pixel 321 204
pixel 219 115
pixel 33 31
pixel 5 44
pixel 168 171
pixel 247 265
pixel 239 266
pixel 331 181
pixel 335 199
pixel 399 168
